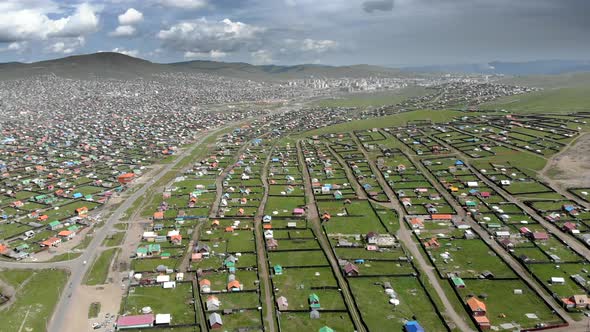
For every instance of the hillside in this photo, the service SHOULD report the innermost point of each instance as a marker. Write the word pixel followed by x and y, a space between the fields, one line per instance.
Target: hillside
pixel 561 94
pixel 107 65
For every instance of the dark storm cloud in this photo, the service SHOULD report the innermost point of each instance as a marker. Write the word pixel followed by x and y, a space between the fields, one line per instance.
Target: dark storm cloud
pixel 374 5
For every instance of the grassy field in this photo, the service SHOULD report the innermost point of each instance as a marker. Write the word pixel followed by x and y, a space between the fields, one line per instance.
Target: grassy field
pixel 388 121
pixel 99 271
pixel 65 257
pixel 114 239
pixel 562 100
pixel 373 99
pixel 175 301
pixel 36 298
pixel 94 310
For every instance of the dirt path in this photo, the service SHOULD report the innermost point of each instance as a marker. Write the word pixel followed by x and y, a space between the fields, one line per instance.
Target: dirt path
pixel 314 218
pixel 263 268
pixel 360 193
pixel 405 236
pixel 571 165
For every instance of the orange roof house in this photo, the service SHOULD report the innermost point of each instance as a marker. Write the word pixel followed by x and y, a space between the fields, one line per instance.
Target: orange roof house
pixel 441 217
pixel 432 243
pixel 176 238
pixel 3 248
pixel 477 307
pixel 267 226
pixel 65 233
pixel 229 229
pixel 158 215
pixel 82 210
pixel 43 217
pixel 215 223
pixel 125 178
pixel 417 223
pixel 483 322
pixel 53 241
pixel 234 285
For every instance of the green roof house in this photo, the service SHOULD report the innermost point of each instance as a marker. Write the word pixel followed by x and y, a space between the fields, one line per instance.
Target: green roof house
pixel 278 270
pixel 314 301
pixel 325 329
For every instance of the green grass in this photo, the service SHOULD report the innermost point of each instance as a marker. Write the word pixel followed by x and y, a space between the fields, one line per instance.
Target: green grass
pixel 561 100
pixel 114 239
pixel 175 301
pixel 382 316
pixel 65 257
pixel 35 299
pixel 99 271
pixel 121 226
pixel 388 121
pixel 94 310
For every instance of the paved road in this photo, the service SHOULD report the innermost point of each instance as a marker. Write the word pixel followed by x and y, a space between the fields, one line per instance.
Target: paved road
pixel 314 218
pixel 405 236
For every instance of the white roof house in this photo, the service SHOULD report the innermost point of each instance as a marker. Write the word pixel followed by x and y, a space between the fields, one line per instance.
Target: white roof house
pixel 163 319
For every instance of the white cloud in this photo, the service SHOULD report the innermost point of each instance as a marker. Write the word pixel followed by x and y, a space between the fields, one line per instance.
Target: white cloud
pixel 17 47
pixel 124 31
pixel 133 53
pixel 185 4
pixel 313 45
pixel 130 17
pixel 65 46
pixel 204 36
pixel 262 57
pixel 28 20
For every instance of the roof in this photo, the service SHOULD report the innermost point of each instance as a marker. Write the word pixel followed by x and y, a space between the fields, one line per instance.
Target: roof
pixel 413 326
pixel 476 305
pixel 215 318
pixel 163 318
pixel 135 320
pixel 482 320
pixel 441 217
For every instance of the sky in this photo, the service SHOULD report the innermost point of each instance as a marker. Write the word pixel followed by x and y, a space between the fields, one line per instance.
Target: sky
pixel 336 32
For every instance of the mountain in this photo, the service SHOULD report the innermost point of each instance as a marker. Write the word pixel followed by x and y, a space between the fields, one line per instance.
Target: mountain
pixel 538 67
pixel 107 65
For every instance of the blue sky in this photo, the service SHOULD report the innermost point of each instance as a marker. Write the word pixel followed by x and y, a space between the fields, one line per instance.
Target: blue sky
pixel 383 32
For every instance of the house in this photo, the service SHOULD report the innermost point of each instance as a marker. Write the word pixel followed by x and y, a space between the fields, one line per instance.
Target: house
pixel 234 286
pixel 371 238
pixel 213 303
pixel 476 307
pixel 351 270
pixel 282 303
pixel 82 211
pixel 325 329
pixel 159 215
pixel 66 235
pixel 483 322
pixel 51 242
pixel 576 301
pixel 441 216
pixel 458 282
pixel 314 314
pixel 272 244
pixel 125 178
pixel 417 223
pixel 54 225
pixel 205 285
pixel 278 270
pixel 540 236
pixel 413 326
pixel 557 281
pixel 432 243
pixel 135 322
pixel 298 212
pixel 163 319
pixel 314 301
pixel 268 234
pixel 215 321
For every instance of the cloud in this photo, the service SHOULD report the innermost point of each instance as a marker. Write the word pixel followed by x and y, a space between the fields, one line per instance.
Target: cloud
pixel 17 47
pixel 204 36
pixel 130 17
pixel 65 46
pixel 262 57
pixel 123 31
pixel 185 4
pixel 378 5
pixel 27 21
pixel 309 46
pixel 213 54
pixel 133 53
